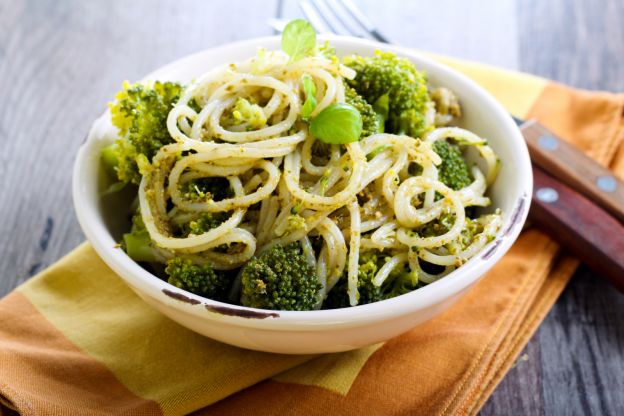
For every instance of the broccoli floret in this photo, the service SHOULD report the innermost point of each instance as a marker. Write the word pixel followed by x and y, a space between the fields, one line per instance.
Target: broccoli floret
pixel 251 114
pixel 295 222
pixel 200 279
pixel 140 113
pixel 371 122
pixel 438 226
pixel 393 83
pixel 280 279
pixel 338 297
pixel 204 222
pixel 467 236
pixel 401 280
pixel 137 243
pixel 443 224
pixel 453 171
pixel 206 189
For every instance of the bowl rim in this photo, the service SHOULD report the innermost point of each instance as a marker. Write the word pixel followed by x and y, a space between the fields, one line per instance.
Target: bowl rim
pixel 147 284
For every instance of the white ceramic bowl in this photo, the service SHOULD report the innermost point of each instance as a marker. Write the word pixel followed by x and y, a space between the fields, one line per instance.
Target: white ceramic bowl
pixel 103 220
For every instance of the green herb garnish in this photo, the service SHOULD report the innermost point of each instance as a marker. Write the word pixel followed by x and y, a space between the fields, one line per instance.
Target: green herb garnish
pixel 298 39
pixel 309 90
pixel 376 151
pixel 337 124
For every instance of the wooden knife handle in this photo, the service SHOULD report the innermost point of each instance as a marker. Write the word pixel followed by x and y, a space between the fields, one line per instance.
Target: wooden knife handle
pixel 581 226
pixel 572 167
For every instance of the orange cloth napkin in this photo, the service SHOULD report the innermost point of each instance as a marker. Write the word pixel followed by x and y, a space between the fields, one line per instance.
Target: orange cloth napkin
pixel 76 340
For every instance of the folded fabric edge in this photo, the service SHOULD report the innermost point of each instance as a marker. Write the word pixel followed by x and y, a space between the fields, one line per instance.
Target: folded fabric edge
pixel 487 68
pixel 502 357
pixel 335 372
pixel 477 373
pixel 50 374
pixel 62 294
pixel 519 90
pixel 552 288
pixel 7 411
pixel 5 403
pixel 617 164
pixel 605 151
pixel 589 120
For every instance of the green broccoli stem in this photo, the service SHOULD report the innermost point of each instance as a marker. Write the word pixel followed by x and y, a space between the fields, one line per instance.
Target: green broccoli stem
pixel 400 281
pixel 110 160
pixel 138 246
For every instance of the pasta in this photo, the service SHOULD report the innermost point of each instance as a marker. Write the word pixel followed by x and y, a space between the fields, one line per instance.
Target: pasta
pixel 285 186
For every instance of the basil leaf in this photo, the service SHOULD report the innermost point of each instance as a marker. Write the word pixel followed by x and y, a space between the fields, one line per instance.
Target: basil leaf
pixel 337 124
pixel 309 90
pixel 298 39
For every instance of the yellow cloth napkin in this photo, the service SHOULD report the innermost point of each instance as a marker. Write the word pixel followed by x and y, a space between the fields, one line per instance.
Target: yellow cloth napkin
pixel 76 340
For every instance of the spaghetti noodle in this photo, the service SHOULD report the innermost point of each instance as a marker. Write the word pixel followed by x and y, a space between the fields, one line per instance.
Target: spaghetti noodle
pixel 287 187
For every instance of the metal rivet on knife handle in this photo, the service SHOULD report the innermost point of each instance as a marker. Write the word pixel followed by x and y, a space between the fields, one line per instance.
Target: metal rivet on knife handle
pixel 581 226
pixel 548 142
pixel 548 195
pixel 571 166
pixel 607 183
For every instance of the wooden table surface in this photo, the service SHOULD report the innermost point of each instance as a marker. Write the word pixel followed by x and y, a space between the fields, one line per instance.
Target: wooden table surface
pixel 61 61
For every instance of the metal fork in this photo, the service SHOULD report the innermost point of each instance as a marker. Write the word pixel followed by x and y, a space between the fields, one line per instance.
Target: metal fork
pixel 341 17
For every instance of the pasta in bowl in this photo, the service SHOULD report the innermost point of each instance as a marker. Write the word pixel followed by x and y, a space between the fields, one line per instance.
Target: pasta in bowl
pixel 305 203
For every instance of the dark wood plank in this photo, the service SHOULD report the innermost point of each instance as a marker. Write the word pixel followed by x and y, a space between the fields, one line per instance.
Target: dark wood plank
pixel 577 351
pixel 577 42
pixel 520 392
pixel 581 350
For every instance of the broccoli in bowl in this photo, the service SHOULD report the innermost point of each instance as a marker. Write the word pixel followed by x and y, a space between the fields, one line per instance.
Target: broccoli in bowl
pixel 298 181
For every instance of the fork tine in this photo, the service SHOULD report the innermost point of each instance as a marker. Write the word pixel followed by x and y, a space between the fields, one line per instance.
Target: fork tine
pixel 363 20
pixel 345 18
pixel 278 25
pixel 329 16
pixel 314 18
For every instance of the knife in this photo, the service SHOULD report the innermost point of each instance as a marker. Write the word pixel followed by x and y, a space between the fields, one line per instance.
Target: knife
pixel 575 204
